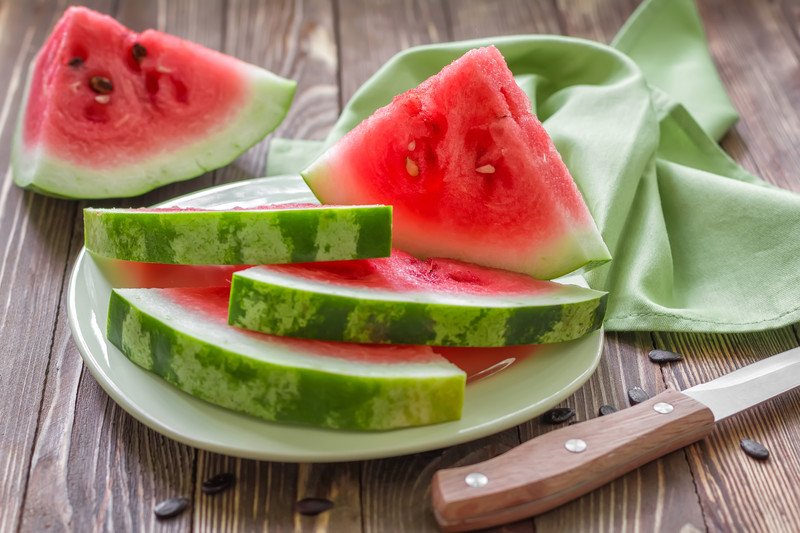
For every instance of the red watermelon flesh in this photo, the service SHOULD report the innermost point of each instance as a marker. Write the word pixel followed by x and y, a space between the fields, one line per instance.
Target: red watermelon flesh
pixel 471 174
pixel 111 112
pixel 404 273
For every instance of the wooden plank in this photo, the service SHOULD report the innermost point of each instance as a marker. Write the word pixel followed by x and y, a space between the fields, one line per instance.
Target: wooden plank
pixel 397 491
pixel 597 20
pixel 484 18
pixel 33 253
pixel 762 75
pixel 734 488
pixel 370 32
pixel 295 40
pixel 87 475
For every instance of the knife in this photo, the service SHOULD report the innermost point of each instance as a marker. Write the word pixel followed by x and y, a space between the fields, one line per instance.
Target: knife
pixel 561 465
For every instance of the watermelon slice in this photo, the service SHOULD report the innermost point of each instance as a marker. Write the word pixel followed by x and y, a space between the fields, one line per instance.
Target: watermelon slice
pixel 269 234
pixel 471 173
pixel 404 300
pixel 109 112
pixel 182 336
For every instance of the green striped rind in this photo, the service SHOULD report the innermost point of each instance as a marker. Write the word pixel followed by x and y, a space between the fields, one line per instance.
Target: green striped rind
pixel 262 379
pixel 240 237
pixel 271 302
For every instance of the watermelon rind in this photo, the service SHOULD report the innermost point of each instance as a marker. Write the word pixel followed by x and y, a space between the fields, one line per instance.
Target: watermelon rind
pixel 279 303
pixel 579 251
pixel 239 236
pixel 281 380
pixel 471 172
pixel 266 105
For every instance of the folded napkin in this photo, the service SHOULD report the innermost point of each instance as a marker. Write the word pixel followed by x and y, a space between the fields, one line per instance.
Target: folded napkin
pixel 699 244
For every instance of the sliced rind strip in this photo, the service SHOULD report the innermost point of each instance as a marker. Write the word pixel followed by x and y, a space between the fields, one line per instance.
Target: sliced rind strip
pixel 240 237
pixel 281 304
pixel 284 380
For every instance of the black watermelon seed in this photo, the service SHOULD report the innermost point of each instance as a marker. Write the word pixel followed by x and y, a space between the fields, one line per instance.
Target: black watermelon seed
pixel 754 449
pixel 559 415
pixel 607 410
pixel 637 395
pixel 101 85
pixel 75 62
pixel 171 507
pixel 664 356
pixel 138 51
pixel 218 483
pixel 312 506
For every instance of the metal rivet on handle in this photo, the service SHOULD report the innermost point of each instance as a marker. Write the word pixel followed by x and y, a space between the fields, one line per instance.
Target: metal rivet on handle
pixel 476 480
pixel 663 408
pixel 575 445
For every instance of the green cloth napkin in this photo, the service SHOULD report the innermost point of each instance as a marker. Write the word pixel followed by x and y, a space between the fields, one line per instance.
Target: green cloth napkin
pixel 699 244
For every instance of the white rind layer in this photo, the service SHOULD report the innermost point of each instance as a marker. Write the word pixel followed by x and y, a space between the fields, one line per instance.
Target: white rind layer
pixel 566 294
pixel 295 353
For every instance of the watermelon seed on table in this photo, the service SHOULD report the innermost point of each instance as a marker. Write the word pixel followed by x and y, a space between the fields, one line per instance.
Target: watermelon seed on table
pixel 606 410
pixel 312 506
pixel 664 356
pixel 754 449
pixel 218 483
pixel 171 507
pixel 637 395
pixel 559 415
pixel 101 85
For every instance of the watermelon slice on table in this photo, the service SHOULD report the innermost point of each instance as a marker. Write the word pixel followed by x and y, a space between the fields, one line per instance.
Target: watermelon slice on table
pixel 404 300
pixel 108 112
pixel 242 236
pixel 182 336
pixel 470 171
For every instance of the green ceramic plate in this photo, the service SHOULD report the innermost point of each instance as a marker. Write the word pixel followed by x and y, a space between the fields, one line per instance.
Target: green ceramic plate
pixel 510 393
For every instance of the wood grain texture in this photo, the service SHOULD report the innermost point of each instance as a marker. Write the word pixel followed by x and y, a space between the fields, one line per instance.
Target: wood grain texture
pixel 734 488
pixel 762 75
pixel 294 39
pixel 33 254
pixel 372 31
pixel 71 460
pixel 397 492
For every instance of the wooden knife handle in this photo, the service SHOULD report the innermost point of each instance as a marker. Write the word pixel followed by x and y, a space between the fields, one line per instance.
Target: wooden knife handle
pixel 543 473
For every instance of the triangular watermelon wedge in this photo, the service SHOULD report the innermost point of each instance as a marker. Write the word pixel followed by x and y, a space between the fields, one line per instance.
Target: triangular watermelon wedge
pixel 470 171
pixel 109 112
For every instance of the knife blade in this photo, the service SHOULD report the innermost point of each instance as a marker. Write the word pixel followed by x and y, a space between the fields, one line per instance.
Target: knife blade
pixel 564 464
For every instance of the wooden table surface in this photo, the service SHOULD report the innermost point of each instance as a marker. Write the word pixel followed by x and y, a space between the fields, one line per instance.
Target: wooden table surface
pixel 71 459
